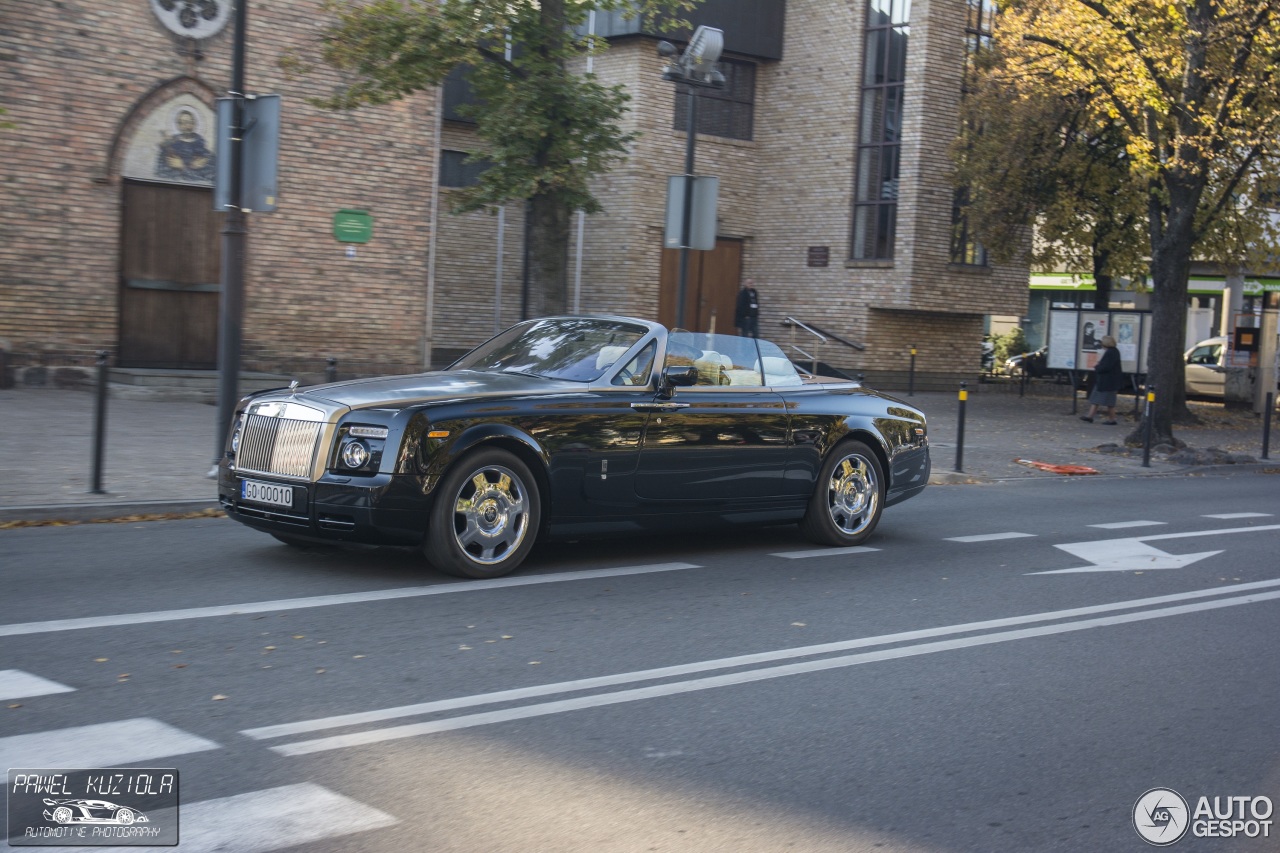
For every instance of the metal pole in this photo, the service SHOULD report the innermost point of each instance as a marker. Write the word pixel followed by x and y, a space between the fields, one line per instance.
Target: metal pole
pixel 331 370
pixel 964 395
pixel 1075 395
pixel 100 425
pixel 911 374
pixel 1146 427
pixel 234 237
pixel 1266 424
pixel 686 227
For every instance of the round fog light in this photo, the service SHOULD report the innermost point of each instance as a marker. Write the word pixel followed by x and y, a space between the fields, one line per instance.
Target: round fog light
pixel 355 454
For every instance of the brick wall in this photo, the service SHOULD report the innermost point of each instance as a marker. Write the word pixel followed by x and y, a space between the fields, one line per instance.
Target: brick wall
pixel 76 77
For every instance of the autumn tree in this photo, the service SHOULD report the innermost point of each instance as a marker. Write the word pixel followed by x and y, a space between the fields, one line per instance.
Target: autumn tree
pixel 1189 87
pixel 545 129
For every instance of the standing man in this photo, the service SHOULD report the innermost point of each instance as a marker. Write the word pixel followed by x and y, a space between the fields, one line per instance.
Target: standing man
pixel 746 314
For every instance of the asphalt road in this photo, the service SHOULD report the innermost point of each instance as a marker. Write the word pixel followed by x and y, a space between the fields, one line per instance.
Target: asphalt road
pixel 734 691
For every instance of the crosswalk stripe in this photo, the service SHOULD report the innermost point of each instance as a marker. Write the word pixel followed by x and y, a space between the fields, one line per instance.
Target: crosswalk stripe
pixel 1121 525
pixel 100 745
pixel 825 552
pixel 1230 515
pixel 990 537
pixel 16 684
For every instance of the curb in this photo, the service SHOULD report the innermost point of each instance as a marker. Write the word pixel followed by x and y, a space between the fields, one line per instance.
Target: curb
pixel 102 511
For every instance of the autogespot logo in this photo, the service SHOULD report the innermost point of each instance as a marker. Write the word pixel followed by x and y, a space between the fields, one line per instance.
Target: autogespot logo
pixel 1160 816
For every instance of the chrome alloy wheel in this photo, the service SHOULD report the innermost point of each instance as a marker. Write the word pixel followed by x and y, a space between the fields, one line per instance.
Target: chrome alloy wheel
pixel 490 514
pixel 853 495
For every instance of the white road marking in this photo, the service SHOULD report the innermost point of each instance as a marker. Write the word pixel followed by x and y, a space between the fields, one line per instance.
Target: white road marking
pixel 16 684
pixel 384 714
pixel 990 537
pixel 52 625
pixel 1229 515
pixel 825 552
pixel 1130 554
pixel 288 816
pixel 100 745
pixel 599 700
pixel 1120 525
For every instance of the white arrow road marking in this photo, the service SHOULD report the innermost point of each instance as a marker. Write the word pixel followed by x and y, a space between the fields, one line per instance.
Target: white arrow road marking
pixel 1131 554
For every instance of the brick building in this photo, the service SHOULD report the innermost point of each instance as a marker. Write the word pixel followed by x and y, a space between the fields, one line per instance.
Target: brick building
pixel 830 141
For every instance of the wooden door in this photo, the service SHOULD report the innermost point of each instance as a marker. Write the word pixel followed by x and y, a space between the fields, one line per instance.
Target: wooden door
pixel 170 270
pixel 711 291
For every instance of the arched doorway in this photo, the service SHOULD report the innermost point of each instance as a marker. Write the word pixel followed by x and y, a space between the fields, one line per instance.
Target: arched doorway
pixel 170 264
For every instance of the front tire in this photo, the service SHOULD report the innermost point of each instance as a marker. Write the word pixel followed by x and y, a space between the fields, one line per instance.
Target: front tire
pixel 848 498
pixel 485 516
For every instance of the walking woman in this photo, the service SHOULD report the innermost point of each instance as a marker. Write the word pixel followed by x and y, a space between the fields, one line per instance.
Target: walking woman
pixel 1108 379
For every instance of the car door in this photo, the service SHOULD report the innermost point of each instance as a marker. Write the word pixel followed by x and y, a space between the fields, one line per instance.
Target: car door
pixel 718 442
pixel 1205 374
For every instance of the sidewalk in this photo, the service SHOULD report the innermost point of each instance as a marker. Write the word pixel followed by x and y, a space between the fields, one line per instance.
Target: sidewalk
pixel 159 452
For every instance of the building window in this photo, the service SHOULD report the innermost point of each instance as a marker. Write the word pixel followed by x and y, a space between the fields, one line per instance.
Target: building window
pixel 965 249
pixel 456 172
pixel 884 69
pixel 723 112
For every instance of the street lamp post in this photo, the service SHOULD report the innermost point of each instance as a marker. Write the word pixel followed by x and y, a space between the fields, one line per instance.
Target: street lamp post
pixel 696 69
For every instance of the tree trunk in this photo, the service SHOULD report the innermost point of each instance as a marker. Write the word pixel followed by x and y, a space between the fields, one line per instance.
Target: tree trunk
pixel 1173 232
pixel 549 219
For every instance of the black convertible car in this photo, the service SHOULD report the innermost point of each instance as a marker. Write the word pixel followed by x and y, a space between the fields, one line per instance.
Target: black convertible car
pixel 567 426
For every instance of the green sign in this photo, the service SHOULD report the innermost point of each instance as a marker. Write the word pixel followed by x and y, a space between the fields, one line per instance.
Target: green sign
pixel 353 226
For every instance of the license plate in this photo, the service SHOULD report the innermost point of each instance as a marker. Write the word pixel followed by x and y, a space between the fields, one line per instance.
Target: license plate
pixel 258 492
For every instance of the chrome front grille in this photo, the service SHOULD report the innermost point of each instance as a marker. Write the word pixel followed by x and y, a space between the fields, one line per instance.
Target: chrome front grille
pixel 281 446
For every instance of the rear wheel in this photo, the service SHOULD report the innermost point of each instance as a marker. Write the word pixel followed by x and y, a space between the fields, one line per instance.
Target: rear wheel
pixel 848 498
pixel 485 516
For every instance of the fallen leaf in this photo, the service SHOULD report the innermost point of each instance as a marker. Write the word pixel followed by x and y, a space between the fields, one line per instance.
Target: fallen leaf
pixel 507 637
pixel 101 660
pixel 321 642
pixel 798 624
pixel 15 705
pixel 357 657
pixel 123 675
pixel 318 671
pixel 299 636
pixel 464 648
pixel 217 697
pixel 534 662
pixel 269 648
pixel 179 665
pixel 491 641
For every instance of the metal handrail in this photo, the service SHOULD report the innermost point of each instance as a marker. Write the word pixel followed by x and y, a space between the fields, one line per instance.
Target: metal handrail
pixel 821 333
pixel 813 358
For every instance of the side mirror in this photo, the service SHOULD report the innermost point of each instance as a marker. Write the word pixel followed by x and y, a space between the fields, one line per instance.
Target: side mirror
pixel 677 376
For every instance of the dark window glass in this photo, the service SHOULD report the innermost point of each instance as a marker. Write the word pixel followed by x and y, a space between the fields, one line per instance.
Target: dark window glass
pixel 456 172
pixel 884 71
pixel 965 248
pixel 723 112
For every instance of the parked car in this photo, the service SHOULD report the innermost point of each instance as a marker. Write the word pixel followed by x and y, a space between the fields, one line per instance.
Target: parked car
pixel 1035 363
pixel 565 426
pixel 1206 367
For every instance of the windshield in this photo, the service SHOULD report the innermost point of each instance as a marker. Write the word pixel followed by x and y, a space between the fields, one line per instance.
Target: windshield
pixel 579 349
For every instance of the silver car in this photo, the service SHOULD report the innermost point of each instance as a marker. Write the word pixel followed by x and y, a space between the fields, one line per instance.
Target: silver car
pixel 1206 367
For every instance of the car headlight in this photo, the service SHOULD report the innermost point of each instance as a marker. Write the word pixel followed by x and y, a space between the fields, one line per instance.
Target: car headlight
pixel 235 436
pixel 355 454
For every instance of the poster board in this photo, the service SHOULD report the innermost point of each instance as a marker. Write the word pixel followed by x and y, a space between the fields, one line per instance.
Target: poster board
pixel 1093 326
pixel 1127 330
pixel 1062 339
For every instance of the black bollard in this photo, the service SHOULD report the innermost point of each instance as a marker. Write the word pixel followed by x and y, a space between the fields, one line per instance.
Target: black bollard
pixel 964 395
pixel 100 425
pixel 1266 425
pixel 911 374
pixel 1146 427
pixel 331 370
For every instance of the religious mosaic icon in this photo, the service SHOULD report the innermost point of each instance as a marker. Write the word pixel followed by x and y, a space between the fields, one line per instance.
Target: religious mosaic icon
pixel 197 19
pixel 175 143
